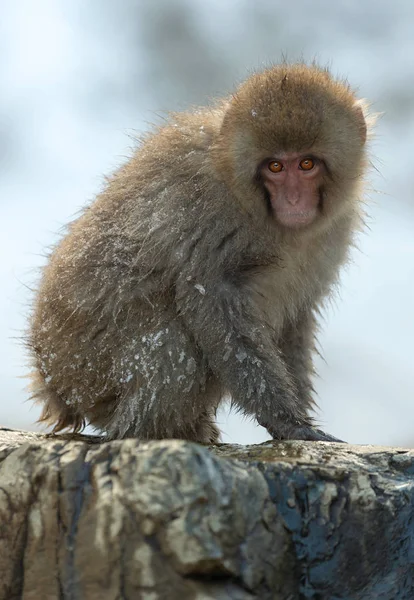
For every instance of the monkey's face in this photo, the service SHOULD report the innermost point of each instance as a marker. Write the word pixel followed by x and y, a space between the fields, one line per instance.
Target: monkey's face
pixel 293 182
pixel 293 138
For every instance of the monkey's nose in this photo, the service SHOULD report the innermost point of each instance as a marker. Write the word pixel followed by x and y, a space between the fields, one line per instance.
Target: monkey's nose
pixel 293 198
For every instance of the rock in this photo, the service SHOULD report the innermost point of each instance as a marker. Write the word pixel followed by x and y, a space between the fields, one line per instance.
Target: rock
pixel 82 519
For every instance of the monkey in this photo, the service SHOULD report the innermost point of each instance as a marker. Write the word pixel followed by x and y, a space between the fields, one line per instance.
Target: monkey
pixel 201 268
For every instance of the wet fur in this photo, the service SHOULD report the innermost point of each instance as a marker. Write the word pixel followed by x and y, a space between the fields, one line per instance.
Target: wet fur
pixel 176 285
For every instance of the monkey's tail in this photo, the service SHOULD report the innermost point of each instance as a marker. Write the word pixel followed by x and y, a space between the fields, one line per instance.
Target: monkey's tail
pixel 55 411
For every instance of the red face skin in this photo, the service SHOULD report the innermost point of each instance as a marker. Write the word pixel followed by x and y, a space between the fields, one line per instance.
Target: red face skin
pixel 294 188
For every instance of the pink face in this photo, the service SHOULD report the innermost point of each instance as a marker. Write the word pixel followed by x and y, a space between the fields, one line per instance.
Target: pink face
pixel 293 182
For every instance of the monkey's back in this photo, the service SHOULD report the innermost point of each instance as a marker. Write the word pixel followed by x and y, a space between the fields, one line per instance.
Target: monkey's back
pixel 104 314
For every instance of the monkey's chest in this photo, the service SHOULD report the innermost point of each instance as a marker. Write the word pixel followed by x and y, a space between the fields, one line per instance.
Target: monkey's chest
pixel 279 293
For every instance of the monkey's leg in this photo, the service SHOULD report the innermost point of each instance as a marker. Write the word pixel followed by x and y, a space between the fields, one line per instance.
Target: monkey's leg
pixel 165 417
pixel 165 388
pixel 298 345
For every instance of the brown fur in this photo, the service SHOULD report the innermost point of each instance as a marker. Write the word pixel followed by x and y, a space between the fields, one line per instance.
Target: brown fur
pixel 176 285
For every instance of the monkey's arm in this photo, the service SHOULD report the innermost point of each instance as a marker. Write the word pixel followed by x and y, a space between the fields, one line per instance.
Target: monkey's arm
pixel 241 354
pixel 297 345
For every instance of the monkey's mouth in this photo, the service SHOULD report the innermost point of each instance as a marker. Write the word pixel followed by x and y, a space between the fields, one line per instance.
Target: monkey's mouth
pixel 296 218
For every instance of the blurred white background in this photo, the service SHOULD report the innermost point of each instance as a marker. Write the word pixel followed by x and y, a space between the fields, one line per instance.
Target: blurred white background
pixel 76 78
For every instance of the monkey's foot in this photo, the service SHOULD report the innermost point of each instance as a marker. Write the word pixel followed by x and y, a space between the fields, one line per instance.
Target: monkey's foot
pixel 212 434
pixel 311 434
pixel 207 432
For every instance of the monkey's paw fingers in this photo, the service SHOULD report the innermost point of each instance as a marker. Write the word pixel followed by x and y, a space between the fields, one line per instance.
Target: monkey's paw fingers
pixel 311 434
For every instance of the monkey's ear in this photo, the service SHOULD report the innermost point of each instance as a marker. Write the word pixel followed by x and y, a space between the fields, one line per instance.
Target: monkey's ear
pixel 360 108
pixel 365 119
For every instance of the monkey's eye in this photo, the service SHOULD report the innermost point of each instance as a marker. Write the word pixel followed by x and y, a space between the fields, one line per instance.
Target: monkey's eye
pixel 275 166
pixel 306 164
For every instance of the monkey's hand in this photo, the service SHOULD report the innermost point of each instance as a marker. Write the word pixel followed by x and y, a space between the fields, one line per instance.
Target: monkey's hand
pixel 303 432
pixel 311 434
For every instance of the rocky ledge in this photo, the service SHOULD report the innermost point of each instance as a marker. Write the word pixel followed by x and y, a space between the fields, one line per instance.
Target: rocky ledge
pixel 83 519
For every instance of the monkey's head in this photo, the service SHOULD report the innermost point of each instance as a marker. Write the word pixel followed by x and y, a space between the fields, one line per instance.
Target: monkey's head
pixel 292 144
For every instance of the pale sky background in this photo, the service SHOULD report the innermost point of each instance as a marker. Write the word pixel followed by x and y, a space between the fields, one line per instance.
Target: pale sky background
pixel 77 77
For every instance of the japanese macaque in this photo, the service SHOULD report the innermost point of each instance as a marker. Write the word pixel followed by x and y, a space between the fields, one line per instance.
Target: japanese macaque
pixel 201 268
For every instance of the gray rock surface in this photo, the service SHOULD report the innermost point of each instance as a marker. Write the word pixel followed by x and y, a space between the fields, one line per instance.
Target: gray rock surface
pixel 81 519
